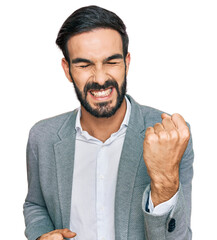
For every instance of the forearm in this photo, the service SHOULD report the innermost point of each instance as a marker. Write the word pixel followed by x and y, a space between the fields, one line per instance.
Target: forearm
pixel 164 189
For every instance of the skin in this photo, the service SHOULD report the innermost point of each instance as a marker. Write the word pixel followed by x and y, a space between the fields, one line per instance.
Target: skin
pixel 58 234
pixel 164 146
pixel 91 60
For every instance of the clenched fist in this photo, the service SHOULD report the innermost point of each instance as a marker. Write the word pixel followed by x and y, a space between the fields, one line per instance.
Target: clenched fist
pixel 58 234
pixel 164 146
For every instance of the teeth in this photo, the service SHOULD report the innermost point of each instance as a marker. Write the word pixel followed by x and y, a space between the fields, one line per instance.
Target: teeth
pixel 103 93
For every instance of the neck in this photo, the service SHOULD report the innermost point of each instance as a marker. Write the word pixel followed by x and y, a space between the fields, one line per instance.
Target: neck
pixel 102 128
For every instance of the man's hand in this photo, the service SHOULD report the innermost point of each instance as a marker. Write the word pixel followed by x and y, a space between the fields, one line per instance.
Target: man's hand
pixel 164 146
pixel 58 234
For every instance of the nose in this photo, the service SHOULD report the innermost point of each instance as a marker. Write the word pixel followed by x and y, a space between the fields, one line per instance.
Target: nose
pixel 100 75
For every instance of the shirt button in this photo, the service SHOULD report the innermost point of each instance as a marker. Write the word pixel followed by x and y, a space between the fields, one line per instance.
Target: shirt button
pixel 102 209
pixel 101 177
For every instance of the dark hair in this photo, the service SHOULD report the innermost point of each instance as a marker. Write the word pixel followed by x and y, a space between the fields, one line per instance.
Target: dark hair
pixel 87 18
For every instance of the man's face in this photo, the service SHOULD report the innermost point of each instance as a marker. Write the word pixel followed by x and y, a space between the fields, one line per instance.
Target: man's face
pixel 98 70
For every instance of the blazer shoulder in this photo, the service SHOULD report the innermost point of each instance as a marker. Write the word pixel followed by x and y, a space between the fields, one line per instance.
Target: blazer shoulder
pixel 151 115
pixel 52 124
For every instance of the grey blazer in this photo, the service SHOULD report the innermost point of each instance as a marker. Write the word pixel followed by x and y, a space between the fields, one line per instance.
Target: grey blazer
pixel 50 157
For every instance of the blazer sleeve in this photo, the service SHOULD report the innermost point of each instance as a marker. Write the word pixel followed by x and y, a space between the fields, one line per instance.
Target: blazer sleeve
pixel 176 223
pixel 36 216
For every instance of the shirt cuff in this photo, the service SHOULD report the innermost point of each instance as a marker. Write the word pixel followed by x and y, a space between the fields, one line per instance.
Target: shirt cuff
pixel 162 208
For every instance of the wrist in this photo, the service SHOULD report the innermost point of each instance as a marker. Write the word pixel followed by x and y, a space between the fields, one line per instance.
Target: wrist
pixel 163 191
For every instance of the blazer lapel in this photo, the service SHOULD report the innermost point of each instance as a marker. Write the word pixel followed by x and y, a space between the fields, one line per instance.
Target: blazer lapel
pixel 64 154
pixel 129 162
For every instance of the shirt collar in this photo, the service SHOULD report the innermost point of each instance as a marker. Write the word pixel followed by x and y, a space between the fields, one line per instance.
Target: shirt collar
pixel 125 122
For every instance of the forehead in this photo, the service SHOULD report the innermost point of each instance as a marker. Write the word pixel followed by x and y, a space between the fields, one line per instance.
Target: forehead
pixel 95 44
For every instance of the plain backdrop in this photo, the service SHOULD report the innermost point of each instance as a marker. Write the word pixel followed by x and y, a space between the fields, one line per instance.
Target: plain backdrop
pixel 173 47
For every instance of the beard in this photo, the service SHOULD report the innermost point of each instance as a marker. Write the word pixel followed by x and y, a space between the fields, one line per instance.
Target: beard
pixel 102 109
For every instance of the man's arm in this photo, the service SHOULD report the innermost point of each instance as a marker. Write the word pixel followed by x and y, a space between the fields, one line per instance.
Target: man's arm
pixel 36 216
pixel 38 222
pixel 164 147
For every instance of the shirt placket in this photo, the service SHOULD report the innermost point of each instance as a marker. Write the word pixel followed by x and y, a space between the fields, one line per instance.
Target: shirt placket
pixel 100 188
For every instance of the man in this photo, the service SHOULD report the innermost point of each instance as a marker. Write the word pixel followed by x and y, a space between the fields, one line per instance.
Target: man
pixel 111 169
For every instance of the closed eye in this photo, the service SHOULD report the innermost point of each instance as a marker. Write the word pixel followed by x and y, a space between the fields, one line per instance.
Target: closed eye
pixel 112 63
pixel 84 66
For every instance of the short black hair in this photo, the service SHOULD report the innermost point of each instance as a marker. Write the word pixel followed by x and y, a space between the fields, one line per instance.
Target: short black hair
pixel 87 18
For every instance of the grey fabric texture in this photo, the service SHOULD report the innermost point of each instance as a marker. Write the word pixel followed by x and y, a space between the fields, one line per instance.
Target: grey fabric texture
pixel 50 158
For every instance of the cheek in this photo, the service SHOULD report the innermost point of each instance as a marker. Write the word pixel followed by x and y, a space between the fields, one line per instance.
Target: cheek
pixel 117 73
pixel 80 78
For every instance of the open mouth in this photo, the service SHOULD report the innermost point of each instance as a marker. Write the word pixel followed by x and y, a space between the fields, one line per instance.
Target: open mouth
pixel 101 93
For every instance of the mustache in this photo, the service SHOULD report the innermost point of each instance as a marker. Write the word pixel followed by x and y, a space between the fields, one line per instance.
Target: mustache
pixel 96 86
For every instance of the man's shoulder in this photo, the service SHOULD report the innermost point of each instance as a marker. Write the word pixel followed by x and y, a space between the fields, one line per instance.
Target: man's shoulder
pixel 148 114
pixel 152 115
pixel 52 124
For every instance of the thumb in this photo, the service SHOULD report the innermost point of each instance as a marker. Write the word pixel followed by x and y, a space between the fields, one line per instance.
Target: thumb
pixel 67 233
pixel 164 115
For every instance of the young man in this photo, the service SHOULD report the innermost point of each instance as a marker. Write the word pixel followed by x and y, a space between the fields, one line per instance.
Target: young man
pixel 111 169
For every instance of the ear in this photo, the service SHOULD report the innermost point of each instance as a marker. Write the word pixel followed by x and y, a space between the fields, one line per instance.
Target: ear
pixel 127 61
pixel 65 66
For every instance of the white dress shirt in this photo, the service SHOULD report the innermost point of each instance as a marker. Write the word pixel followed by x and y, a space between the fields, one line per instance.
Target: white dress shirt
pixel 94 183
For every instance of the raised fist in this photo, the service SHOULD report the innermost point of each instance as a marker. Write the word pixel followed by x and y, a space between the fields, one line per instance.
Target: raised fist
pixel 164 146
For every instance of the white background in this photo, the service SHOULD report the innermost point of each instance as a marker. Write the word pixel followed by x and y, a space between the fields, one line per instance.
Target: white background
pixel 173 46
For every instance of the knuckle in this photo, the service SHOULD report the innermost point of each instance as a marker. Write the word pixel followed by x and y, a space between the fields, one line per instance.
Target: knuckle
pixel 166 120
pixel 55 234
pixel 157 125
pixel 150 138
pixel 58 236
pixel 176 115
pixel 163 135
pixel 186 133
pixel 148 129
pixel 174 134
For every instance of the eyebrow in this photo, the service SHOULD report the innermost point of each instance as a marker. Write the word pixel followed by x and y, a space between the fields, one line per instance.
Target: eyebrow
pixel 84 60
pixel 79 60
pixel 115 56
